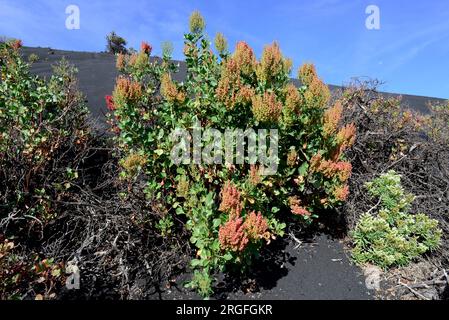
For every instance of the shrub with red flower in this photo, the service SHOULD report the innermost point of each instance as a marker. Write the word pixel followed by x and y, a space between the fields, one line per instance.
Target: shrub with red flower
pixel 232 235
pixel 146 47
pixel 230 91
pixel 109 102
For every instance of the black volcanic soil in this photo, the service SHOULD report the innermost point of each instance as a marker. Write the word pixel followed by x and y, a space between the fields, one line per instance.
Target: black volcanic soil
pixel 317 269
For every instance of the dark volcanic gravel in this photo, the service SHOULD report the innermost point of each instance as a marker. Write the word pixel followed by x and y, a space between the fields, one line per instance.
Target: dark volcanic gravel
pixel 318 269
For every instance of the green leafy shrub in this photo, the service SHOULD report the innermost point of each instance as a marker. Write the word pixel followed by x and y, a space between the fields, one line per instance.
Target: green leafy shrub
pixel 231 209
pixel 393 236
pixel 43 135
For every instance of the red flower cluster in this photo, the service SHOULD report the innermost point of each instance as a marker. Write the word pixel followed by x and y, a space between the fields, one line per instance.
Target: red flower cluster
pixel 230 200
pixel 109 102
pixel 245 58
pixel 329 169
pixel 341 193
pixel 169 90
pixel 256 227
pixel 346 136
pixel 17 44
pixel 146 47
pixel 272 63
pixel 254 176
pixel 126 91
pixel 232 235
pixel 235 234
pixel 332 117
pixel 297 208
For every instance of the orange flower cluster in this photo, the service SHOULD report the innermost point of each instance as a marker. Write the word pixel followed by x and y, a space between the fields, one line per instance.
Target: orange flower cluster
pixel 329 169
pixel 299 210
pixel 121 61
pixel 317 93
pixel 341 193
pixel 346 136
pixel 254 176
pixel 332 117
pixel 126 91
pixel 296 207
pixel 266 108
pixel 139 60
pixel 244 58
pixel 232 235
pixel 256 227
pixel 293 99
pixel 230 89
pixel 235 234
pixel 17 44
pixel 230 200
pixel 307 73
pixel 272 63
pixel 169 90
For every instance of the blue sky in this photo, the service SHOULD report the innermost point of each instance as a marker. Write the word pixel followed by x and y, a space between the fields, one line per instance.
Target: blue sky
pixel 409 53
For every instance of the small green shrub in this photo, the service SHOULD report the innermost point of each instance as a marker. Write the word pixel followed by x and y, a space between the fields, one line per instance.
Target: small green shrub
pixel 32 58
pixel 393 237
